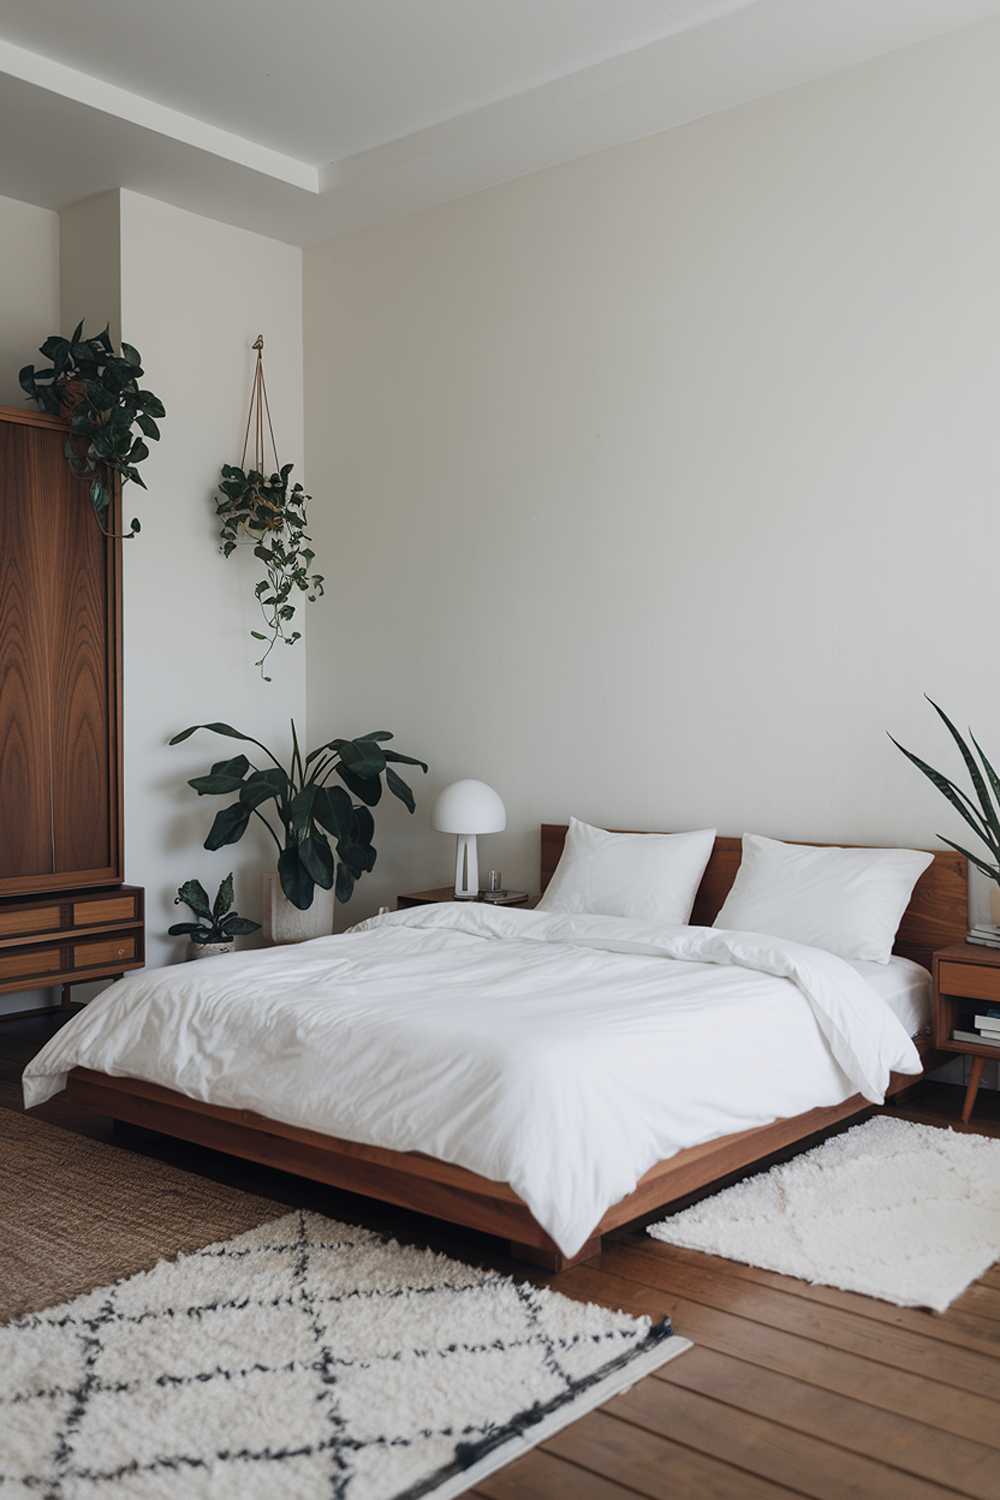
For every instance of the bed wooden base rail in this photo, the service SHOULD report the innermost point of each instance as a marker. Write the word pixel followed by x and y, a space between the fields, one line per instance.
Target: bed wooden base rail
pixel 413 1181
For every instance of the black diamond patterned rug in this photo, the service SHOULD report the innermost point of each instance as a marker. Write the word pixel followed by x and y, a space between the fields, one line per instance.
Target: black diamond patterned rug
pixel 304 1358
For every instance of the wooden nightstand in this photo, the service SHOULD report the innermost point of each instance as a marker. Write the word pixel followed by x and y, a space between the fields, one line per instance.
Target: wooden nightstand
pixel 966 977
pixel 446 893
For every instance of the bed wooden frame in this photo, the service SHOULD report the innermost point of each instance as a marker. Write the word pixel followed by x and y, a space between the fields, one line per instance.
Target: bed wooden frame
pixel 936 917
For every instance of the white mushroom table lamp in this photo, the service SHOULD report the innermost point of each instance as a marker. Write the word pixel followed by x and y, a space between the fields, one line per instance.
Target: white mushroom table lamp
pixel 466 808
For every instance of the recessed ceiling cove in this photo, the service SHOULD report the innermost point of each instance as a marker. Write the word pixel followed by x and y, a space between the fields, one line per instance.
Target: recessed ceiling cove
pixel 306 120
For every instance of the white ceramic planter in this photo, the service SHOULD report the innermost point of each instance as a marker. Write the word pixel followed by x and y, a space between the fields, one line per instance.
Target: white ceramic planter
pixel 284 923
pixel 210 950
pixel 995 905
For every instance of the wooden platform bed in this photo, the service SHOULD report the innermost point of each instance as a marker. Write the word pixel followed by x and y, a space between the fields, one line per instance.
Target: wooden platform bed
pixel 936 917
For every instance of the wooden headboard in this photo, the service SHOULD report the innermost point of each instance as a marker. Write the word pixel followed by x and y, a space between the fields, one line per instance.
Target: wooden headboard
pixel 937 916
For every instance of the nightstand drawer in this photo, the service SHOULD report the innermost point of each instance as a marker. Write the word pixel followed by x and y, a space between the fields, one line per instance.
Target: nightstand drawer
pixel 970 980
pixel 104 951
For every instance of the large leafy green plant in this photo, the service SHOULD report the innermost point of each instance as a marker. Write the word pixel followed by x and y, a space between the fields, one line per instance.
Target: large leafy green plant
pixel 268 513
pixel 983 814
pixel 309 813
pixel 99 390
pixel 216 923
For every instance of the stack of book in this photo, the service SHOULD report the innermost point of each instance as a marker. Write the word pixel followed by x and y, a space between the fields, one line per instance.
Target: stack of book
pixel 986 934
pixel 987 1028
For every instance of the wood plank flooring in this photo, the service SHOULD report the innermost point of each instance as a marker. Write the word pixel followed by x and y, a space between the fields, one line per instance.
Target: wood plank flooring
pixel 791 1390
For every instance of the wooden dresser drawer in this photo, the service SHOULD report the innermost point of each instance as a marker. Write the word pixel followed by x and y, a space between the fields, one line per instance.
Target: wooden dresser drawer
pixel 70 938
pixel 971 980
pixel 19 922
pixel 105 909
pixel 29 963
pixel 105 950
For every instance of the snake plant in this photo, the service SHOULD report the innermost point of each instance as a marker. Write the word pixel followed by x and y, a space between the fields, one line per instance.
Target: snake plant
pixel 984 819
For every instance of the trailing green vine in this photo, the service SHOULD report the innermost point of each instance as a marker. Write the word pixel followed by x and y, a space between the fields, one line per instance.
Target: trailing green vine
pixel 269 514
pixel 98 390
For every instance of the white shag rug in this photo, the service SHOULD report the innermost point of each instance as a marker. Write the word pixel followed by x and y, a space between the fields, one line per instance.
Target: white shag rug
pixel 307 1359
pixel 908 1213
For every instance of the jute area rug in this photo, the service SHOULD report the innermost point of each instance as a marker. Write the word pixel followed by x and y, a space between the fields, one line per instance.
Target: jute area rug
pixel 76 1213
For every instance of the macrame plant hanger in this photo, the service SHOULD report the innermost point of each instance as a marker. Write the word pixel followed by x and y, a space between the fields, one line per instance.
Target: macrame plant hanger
pixel 267 512
pixel 259 413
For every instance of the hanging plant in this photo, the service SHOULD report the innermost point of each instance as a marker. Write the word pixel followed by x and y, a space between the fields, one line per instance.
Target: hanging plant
pixel 99 391
pixel 268 513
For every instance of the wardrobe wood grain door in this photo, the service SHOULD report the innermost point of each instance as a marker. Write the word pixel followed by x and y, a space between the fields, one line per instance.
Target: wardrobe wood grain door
pixel 60 669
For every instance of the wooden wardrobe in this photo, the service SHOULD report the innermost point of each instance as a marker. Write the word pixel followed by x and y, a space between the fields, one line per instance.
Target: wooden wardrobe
pixel 60 717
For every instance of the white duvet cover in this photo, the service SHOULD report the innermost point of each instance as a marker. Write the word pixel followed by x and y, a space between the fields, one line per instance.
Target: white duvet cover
pixel 562 1054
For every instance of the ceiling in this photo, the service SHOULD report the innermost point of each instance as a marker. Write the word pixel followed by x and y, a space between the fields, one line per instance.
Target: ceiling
pixel 307 118
pixel 324 80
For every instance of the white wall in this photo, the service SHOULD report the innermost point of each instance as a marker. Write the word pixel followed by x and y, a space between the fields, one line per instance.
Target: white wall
pixel 195 293
pixel 659 485
pixel 29 289
pixel 90 264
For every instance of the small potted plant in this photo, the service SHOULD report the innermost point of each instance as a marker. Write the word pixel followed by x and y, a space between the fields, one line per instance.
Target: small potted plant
pixel 217 926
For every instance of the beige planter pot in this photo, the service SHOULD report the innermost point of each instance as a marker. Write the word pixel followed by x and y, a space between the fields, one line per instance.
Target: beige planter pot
pixel 284 923
pixel 210 950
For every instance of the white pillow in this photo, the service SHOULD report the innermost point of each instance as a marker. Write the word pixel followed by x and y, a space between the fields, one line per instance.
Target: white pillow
pixel 848 901
pixel 653 877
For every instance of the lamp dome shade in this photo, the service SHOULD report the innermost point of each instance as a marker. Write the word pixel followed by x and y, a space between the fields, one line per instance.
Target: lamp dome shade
pixel 469 807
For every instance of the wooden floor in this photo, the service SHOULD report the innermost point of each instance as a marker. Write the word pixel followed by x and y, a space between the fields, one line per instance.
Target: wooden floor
pixel 791 1390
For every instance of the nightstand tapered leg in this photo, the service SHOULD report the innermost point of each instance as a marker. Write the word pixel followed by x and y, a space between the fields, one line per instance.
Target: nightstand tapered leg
pixel 975 1073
